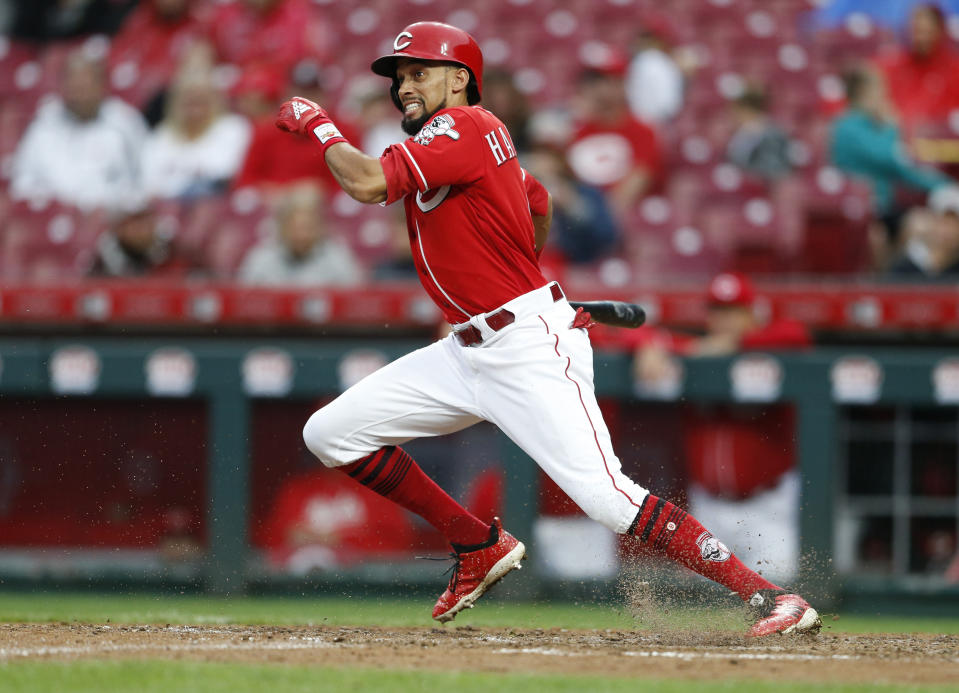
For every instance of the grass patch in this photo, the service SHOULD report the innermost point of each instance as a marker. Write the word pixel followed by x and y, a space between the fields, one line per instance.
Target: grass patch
pixel 164 676
pixel 193 609
pixel 203 610
pixel 863 623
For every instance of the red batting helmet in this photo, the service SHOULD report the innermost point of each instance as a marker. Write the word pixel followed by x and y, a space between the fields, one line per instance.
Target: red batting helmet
pixel 434 41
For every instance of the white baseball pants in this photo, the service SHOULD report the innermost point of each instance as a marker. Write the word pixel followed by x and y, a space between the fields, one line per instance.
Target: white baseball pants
pixel 533 379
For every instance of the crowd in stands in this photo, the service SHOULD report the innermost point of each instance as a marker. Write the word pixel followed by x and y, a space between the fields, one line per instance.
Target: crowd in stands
pixel 681 139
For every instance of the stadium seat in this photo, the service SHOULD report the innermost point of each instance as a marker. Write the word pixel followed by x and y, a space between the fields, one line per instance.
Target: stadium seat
pixel 837 216
pixel 366 228
pixel 18 61
pixel 197 221
pixel 745 40
pixel 48 242
pixel 15 115
pixel 240 223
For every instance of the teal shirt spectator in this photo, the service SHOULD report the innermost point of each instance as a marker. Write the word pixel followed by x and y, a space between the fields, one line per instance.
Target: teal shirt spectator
pixel 872 149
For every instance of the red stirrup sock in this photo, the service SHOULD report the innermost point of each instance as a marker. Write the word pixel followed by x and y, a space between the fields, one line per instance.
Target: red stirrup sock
pixel 666 530
pixel 393 474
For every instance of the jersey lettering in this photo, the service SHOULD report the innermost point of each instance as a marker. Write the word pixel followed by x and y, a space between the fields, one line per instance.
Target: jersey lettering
pixel 508 143
pixel 494 144
pixel 432 198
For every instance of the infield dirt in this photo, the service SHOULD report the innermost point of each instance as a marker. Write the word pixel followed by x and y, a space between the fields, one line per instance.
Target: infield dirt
pixel 827 657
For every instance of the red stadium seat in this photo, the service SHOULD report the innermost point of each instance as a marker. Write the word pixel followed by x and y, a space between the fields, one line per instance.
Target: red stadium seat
pixel 198 221
pixel 48 243
pixel 837 216
pixel 15 116
pixel 19 66
pixel 367 228
pixel 243 221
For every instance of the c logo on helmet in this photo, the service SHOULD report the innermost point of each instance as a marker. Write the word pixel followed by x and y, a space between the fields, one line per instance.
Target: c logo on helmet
pixel 397 45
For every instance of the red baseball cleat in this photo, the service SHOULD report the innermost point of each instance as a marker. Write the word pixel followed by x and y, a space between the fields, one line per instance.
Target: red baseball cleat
pixel 477 570
pixel 780 612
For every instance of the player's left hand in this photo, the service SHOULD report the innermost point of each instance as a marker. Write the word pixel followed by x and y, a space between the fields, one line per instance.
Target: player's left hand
pixel 298 113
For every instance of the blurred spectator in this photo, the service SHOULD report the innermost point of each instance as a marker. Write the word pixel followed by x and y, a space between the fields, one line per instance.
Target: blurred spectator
pixel 945 203
pixel 509 104
pixel 931 239
pixel 740 461
pixel 145 53
pixel 731 326
pixel 866 143
pixel 46 20
pixel 199 146
pixel 375 115
pixel 133 246
pixel 922 76
pixel 913 256
pixel 758 146
pixel 302 251
pixel 937 550
pixel 83 148
pixel 257 93
pixel 274 159
pixel 583 228
pixel 654 81
pixel 399 266
pixel 275 32
pixel 611 149
pixel 554 125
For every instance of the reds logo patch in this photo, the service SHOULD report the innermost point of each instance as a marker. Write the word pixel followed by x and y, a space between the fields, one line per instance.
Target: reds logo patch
pixel 440 125
pixel 711 549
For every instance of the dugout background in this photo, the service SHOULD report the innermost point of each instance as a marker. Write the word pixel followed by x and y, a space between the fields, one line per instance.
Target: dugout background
pixel 131 479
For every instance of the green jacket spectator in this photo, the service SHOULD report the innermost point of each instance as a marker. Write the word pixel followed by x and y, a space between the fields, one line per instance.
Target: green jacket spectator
pixel 872 149
pixel 867 144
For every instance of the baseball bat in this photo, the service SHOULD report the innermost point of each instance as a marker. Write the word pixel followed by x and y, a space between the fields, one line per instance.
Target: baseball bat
pixel 615 313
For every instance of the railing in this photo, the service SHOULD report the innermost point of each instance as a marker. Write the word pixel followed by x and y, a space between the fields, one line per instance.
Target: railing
pixel 847 306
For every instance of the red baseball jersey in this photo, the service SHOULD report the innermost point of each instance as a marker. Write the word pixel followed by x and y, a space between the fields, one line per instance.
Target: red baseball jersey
pixel 603 155
pixel 467 211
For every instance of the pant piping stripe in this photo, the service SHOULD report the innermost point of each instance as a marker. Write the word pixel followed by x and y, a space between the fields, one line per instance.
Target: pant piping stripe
pixel 586 411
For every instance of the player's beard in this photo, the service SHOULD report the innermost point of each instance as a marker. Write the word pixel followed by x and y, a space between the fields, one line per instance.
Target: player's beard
pixel 411 126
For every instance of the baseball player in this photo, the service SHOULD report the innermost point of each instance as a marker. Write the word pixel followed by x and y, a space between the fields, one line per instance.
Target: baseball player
pixel 518 354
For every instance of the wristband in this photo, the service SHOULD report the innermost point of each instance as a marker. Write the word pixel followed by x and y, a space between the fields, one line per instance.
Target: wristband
pixel 325 132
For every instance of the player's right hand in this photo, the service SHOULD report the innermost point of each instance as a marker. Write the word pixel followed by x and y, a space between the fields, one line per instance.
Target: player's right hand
pixel 298 113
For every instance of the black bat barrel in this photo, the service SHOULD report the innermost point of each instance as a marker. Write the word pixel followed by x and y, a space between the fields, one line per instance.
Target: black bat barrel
pixel 615 313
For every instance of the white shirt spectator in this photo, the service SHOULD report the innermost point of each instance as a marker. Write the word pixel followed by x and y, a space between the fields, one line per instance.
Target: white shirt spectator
pixel 379 138
pixel 329 263
pixel 654 85
pixel 174 166
pixel 87 163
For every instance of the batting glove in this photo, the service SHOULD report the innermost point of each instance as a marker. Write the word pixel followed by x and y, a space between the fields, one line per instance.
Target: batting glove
pixel 304 117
